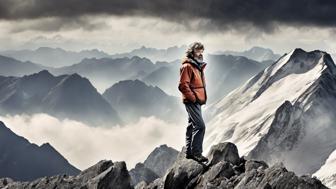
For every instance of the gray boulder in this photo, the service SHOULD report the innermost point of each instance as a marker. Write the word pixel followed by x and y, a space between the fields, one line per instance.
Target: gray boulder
pixel 224 152
pixel 104 174
pixel 276 176
pixel 229 171
pixel 182 171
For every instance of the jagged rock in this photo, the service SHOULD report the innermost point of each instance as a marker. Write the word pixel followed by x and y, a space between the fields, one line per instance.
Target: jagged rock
pixel 184 174
pixel 229 171
pixel 276 176
pixel 224 152
pixel 104 174
pixel 217 175
pixel 156 184
pixel 254 164
pixel 141 185
pixel 4 181
pixel 161 159
pixel 142 173
pixel 182 171
pixel 156 165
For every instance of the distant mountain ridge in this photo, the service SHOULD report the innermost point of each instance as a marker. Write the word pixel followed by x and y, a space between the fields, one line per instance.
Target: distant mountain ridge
pixel 254 53
pixel 53 57
pixel 12 67
pixel 58 57
pixel 134 99
pixel 63 96
pixel 169 54
pixel 25 161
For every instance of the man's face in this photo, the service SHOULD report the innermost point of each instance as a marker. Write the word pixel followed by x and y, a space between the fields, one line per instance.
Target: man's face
pixel 198 52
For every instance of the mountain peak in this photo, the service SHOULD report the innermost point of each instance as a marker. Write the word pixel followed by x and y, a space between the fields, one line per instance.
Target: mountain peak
pixel 300 61
pixel 296 62
pixel 46 145
pixel 75 75
pixel 258 49
pixel 2 124
pixel 44 72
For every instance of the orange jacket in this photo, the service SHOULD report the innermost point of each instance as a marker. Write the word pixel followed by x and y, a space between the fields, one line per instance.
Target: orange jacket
pixel 192 82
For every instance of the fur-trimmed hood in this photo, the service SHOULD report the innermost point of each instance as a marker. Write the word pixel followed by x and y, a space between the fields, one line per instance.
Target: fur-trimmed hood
pixel 199 65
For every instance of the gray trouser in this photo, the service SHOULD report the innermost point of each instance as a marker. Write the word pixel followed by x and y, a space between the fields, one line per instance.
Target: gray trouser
pixel 195 129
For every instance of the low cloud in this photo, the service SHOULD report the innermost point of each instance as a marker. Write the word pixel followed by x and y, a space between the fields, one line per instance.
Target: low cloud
pixel 84 146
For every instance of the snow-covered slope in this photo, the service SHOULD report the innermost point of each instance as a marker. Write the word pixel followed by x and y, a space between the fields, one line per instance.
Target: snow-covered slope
pixel 327 173
pixel 284 113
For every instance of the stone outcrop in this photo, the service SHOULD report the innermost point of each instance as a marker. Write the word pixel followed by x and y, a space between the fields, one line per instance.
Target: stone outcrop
pixel 104 174
pixel 226 169
pixel 229 171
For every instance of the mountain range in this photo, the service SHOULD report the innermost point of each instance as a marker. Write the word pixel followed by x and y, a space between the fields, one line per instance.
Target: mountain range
pixel 134 99
pixel 226 71
pixel 284 113
pixel 53 57
pixel 156 55
pixel 276 111
pixel 222 74
pixel 254 53
pixel 64 96
pixel 58 57
pixel 13 67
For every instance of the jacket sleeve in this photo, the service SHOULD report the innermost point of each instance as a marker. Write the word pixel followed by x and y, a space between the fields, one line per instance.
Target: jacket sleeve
pixel 184 83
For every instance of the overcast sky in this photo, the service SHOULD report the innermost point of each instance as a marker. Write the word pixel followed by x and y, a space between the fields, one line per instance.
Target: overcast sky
pixel 122 25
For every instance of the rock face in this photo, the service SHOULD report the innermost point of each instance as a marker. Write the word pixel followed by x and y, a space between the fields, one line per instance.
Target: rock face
pixel 156 165
pixel 160 159
pixel 227 170
pixel 142 173
pixel 105 174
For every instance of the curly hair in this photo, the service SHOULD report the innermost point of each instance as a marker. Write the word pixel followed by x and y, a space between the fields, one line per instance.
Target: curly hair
pixel 192 47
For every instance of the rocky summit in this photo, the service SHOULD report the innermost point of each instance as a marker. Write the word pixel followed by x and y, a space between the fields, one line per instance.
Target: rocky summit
pixel 226 169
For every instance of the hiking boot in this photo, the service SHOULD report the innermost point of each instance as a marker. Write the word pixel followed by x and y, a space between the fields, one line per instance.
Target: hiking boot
pixel 200 158
pixel 189 155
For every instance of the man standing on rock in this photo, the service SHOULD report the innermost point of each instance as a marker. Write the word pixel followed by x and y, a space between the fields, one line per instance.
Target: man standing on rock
pixel 192 87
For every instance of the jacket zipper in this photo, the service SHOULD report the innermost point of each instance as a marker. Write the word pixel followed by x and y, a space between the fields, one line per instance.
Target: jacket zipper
pixel 202 76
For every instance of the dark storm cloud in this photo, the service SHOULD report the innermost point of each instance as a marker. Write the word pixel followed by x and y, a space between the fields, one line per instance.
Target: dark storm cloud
pixel 59 23
pixel 221 14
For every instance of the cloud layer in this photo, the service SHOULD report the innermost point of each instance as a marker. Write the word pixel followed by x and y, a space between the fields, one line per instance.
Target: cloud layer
pixel 84 146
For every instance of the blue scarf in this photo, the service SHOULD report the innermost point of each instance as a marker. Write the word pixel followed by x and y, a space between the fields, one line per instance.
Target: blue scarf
pixel 198 62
